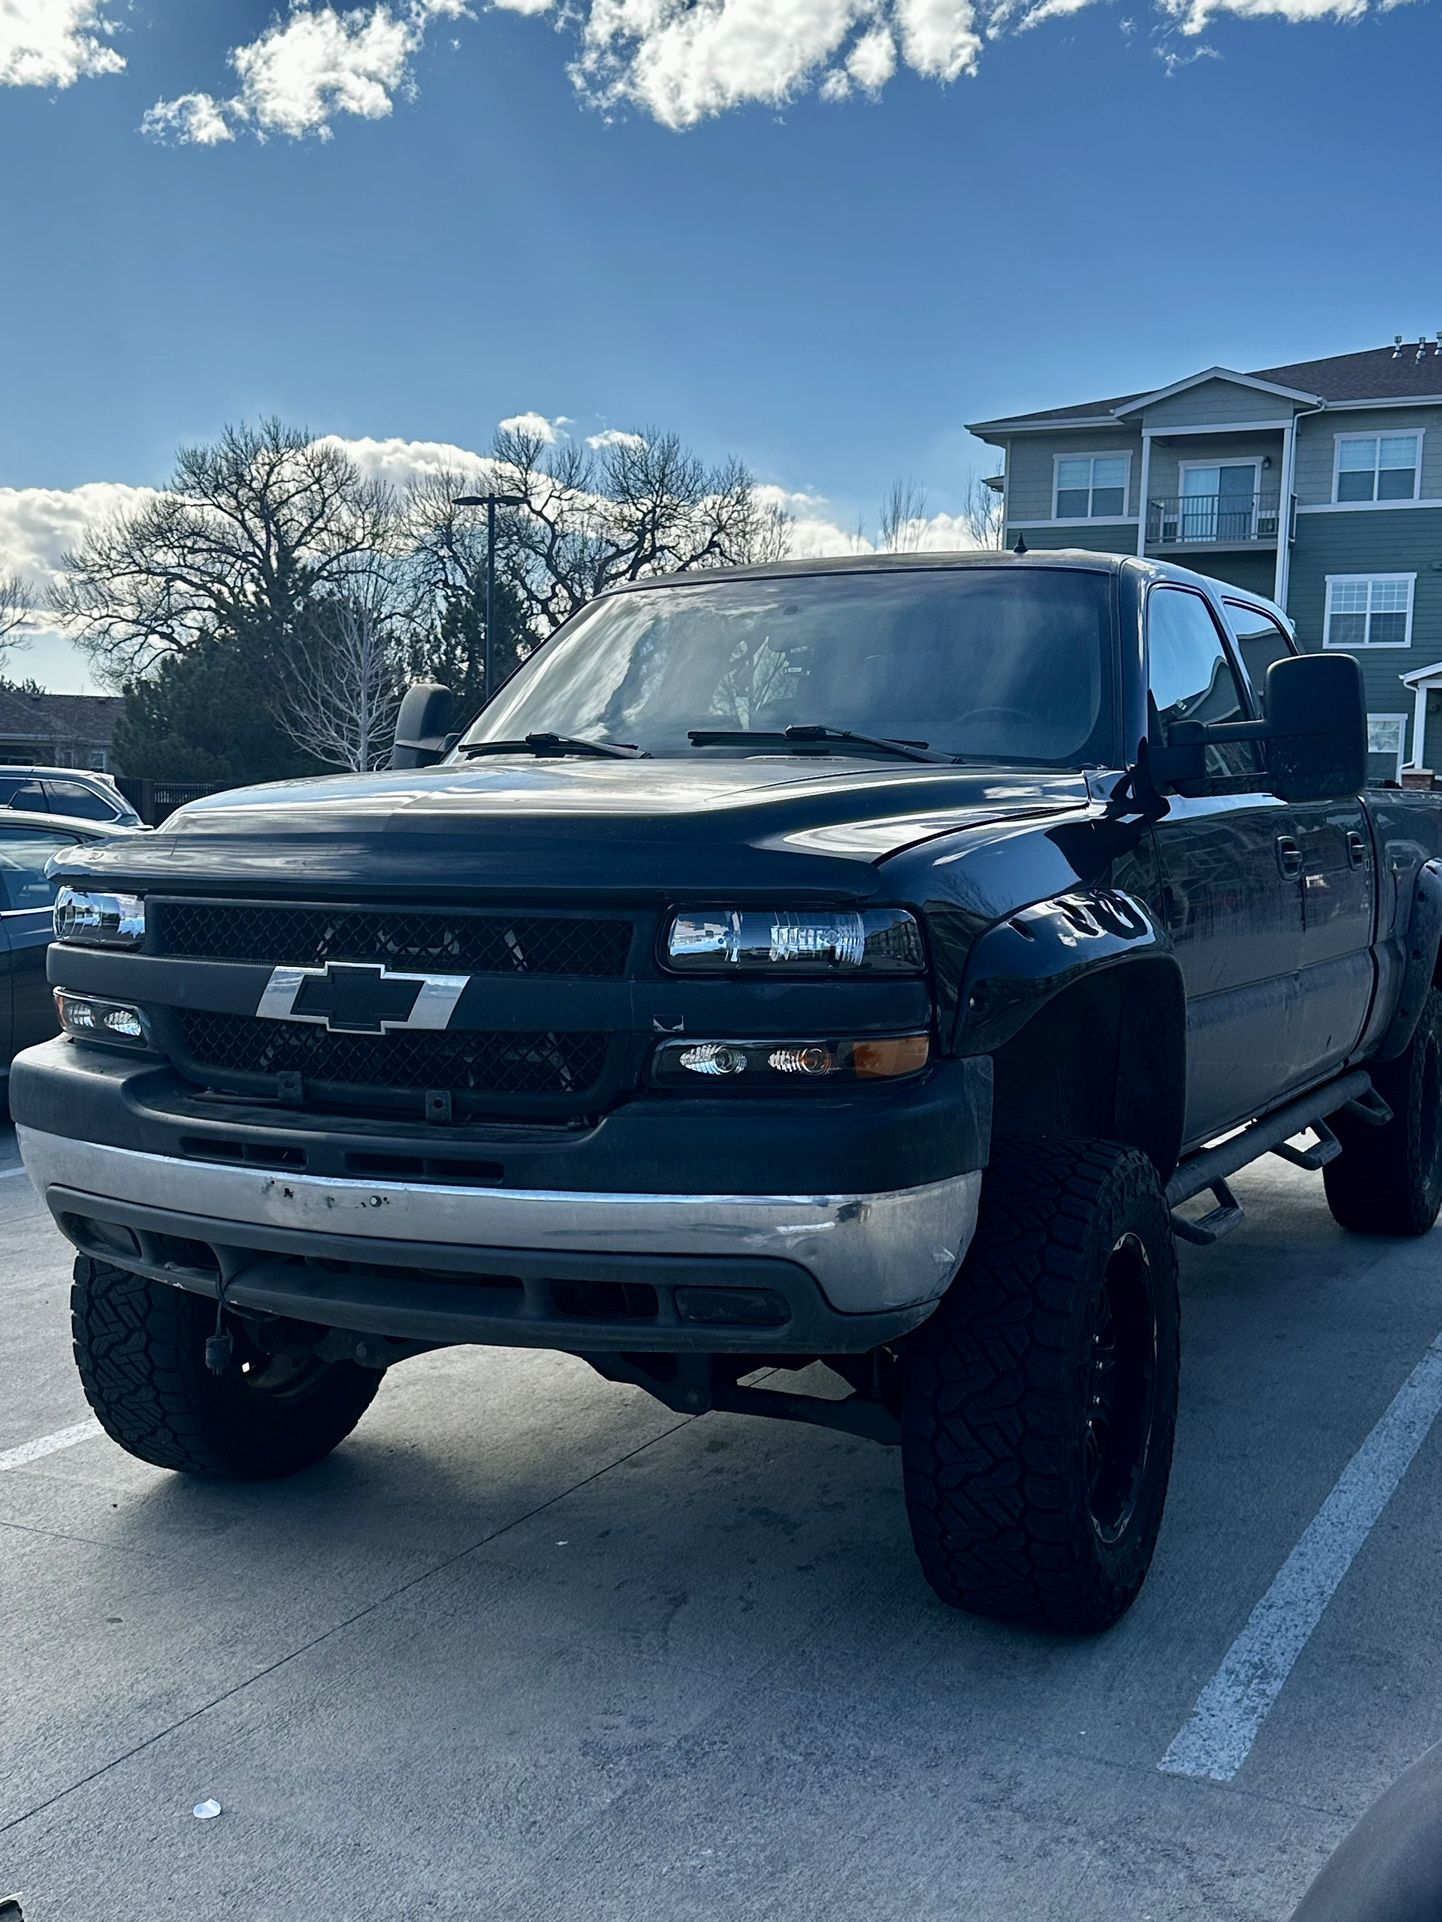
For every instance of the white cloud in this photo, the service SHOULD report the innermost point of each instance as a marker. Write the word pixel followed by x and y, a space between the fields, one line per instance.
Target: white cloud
pixel 194 118
pixel 683 62
pixel 1192 16
pixel 39 524
pixel 679 61
pixel 614 437
pixel 534 426
pixel 315 64
pixel 53 43
pixel 872 61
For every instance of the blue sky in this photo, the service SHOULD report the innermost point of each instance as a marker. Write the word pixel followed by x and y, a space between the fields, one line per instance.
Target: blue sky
pixel 828 288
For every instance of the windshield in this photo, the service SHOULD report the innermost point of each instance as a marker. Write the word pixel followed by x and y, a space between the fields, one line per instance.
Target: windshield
pixel 1007 665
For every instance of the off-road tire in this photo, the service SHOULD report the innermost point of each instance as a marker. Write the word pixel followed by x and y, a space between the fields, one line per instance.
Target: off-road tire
pixel 1388 1180
pixel 140 1349
pixel 1023 1504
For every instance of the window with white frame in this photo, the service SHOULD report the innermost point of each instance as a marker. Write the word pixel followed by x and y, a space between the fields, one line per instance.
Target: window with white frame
pixel 1369 610
pixel 1377 467
pixel 1387 737
pixel 1091 487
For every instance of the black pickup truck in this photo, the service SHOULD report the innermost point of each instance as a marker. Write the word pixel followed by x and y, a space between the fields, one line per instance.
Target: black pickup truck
pixel 875 963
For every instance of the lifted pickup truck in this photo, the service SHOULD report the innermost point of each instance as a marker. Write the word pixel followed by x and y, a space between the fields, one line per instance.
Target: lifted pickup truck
pixel 873 962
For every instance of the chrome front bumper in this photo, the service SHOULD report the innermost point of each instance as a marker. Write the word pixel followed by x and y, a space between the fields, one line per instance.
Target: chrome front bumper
pixel 868 1253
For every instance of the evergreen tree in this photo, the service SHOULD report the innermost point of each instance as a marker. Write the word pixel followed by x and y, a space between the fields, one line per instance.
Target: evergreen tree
pixel 454 652
pixel 206 716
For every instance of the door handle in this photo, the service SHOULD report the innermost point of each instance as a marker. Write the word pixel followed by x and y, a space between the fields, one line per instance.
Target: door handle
pixel 1289 856
pixel 1357 849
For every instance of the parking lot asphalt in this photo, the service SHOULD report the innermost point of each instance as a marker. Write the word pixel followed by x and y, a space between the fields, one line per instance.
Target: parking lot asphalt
pixel 531 1646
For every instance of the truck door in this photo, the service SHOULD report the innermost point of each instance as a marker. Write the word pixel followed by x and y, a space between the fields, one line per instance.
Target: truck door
pixel 1231 865
pixel 1338 890
pixel 26 903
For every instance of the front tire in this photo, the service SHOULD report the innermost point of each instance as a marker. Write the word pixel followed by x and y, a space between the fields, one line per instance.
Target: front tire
pixel 140 1349
pixel 1039 1402
pixel 1388 1180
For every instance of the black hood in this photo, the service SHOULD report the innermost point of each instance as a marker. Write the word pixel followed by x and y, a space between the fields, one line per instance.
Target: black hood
pixel 510 826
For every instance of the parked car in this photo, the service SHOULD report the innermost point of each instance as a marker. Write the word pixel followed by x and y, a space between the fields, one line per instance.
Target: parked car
pixel 866 961
pixel 66 790
pixel 28 842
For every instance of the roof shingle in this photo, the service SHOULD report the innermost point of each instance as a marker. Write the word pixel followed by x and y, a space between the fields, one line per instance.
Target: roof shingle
pixel 1377 374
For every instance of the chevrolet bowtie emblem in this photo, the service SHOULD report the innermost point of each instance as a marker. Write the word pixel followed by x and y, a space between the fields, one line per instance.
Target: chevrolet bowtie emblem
pixel 350 997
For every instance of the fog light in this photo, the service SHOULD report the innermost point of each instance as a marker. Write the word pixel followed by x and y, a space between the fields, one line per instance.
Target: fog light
pixel 712 1057
pixel 812 1060
pixel 775 1064
pixel 90 1019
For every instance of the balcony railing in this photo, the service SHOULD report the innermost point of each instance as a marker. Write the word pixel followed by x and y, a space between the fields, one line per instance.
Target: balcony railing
pixel 1175 520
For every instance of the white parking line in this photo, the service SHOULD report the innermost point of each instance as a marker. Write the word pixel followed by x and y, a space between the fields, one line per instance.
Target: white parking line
pixel 34 1451
pixel 7 1173
pixel 1230 1710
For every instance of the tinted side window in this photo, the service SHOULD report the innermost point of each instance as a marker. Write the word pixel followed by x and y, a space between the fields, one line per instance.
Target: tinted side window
pixel 73 797
pixel 23 855
pixel 1191 678
pixel 1260 641
pixel 24 794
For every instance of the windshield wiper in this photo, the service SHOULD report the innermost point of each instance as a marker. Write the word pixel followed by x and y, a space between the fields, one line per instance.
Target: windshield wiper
pixel 814 736
pixel 556 744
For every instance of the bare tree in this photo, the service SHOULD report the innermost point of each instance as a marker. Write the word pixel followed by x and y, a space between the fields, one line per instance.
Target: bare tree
pixel 903 518
pixel 341 680
pixel 983 511
pixel 638 505
pixel 250 528
pixel 17 607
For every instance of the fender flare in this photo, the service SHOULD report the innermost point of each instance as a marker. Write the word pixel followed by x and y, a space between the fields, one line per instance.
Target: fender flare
pixel 1037 952
pixel 1423 941
pixel 1043 958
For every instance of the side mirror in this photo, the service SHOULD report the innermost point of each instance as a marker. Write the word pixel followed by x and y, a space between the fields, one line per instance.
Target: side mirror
pixel 1316 727
pixel 423 726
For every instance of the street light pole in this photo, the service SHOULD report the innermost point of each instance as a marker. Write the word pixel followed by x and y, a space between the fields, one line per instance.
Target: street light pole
pixel 490 502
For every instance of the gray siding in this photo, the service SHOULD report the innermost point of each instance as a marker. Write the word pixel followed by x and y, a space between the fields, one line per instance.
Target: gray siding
pixel 1316 436
pixel 1404 541
pixel 1253 573
pixel 1030 465
pixel 1165 478
pixel 1096 537
pixel 1216 400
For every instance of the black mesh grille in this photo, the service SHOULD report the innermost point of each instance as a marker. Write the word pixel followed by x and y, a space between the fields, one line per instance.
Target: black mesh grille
pixel 455 943
pixel 460 1063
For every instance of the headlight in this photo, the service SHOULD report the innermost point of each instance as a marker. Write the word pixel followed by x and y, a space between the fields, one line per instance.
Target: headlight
pixel 764 1066
pixel 808 941
pixel 99 920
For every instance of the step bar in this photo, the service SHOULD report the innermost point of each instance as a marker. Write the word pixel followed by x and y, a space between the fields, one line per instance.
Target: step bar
pixel 1209 1169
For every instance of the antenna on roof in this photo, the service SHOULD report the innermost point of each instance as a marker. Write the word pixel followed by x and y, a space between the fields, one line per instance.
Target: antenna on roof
pixel 1396 346
pixel 1021 546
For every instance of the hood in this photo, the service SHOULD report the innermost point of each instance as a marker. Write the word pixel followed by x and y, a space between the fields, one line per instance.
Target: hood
pixel 675 827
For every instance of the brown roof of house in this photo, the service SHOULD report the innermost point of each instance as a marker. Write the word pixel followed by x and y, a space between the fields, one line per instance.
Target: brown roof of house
pixel 87 718
pixel 1377 374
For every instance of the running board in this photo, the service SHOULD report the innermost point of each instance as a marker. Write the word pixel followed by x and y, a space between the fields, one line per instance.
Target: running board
pixel 1210 1169
pixel 1208 1229
pixel 1327 1149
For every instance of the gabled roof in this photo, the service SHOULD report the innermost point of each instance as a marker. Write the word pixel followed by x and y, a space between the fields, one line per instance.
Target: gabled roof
pixel 1220 373
pixel 39 716
pixel 1380 373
